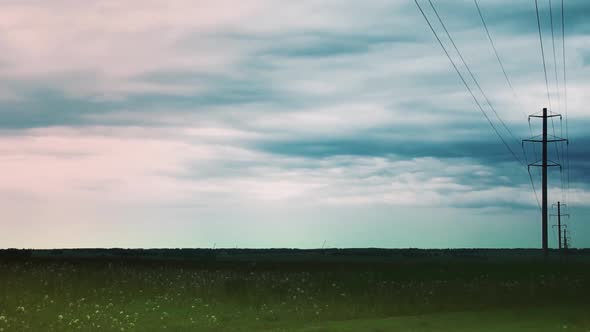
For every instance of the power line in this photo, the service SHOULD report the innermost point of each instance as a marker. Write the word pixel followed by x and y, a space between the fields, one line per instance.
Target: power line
pixel 533 184
pixel 559 158
pixel 554 56
pixel 465 83
pixel 556 81
pixel 545 65
pixel 543 52
pixel 565 165
pixel 565 98
pixel 471 73
pixel 529 170
pixel 483 21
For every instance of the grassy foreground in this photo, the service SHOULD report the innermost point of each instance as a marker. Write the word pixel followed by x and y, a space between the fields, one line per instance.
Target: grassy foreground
pixel 548 319
pixel 105 295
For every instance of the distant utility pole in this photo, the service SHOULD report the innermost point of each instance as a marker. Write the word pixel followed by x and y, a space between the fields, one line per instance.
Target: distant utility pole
pixel 544 165
pixel 565 232
pixel 559 215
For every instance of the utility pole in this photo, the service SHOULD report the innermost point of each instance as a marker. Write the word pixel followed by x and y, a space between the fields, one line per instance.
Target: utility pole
pixel 544 164
pixel 559 215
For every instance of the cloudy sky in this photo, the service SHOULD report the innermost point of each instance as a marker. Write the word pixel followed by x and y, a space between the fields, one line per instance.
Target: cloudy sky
pixel 259 123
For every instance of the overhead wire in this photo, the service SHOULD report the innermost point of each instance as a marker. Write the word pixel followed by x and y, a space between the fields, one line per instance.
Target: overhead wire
pixel 563 155
pixel 559 158
pixel 531 177
pixel 554 55
pixel 543 53
pixel 515 95
pixel 465 83
pixel 471 73
pixel 565 100
pixel 483 21
pixel 545 72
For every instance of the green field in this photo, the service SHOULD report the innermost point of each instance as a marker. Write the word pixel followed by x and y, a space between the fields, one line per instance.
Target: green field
pixel 139 295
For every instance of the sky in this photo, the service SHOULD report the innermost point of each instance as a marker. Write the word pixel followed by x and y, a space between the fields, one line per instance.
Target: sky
pixel 201 123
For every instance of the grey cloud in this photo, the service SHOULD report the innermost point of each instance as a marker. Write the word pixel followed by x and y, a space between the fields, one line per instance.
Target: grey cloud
pixel 586 58
pixel 485 151
pixel 44 107
pixel 323 44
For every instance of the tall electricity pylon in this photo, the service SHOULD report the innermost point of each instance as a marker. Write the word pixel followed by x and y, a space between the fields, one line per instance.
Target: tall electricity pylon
pixel 559 225
pixel 544 164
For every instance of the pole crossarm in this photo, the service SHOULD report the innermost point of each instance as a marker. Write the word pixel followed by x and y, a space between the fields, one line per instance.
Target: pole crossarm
pixel 548 141
pixel 540 164
pixel 548 116
pixel 541 135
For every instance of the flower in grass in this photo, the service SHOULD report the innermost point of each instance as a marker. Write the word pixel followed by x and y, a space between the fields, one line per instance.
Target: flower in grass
pixel 20 309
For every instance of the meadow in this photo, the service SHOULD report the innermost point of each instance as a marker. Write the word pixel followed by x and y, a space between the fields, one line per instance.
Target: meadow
pixel 160 295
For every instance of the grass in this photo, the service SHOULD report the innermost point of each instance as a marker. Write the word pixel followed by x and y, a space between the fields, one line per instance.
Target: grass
pixel 114 295
pixel 545 319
